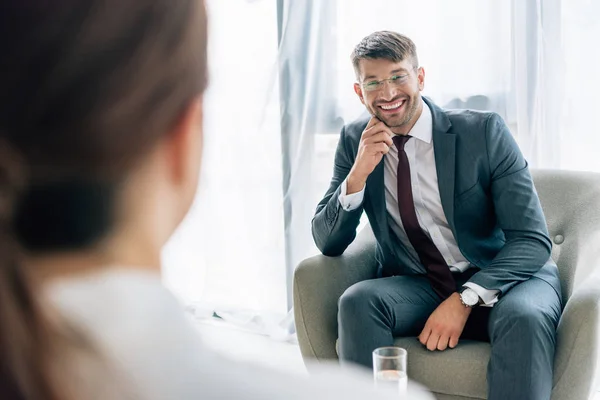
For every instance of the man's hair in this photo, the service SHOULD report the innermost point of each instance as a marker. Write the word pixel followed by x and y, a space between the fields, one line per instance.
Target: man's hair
pixel 388 45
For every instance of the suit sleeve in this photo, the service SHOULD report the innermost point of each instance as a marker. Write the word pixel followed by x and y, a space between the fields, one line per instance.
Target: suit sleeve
pixel 334 228
pixel 518 212
pixel 350 201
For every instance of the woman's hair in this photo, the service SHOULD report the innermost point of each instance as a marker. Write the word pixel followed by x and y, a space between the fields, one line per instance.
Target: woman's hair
pixel 87 88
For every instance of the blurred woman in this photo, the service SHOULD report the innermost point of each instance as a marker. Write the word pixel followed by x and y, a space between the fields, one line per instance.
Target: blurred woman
pixel 100 149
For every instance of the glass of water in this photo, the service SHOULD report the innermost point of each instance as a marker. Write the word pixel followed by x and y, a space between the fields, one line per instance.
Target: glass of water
pixel 389 369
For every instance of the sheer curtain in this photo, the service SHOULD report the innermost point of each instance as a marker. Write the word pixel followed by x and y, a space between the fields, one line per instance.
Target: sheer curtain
pixel 281 88
pixel 580 134
pixel 229 253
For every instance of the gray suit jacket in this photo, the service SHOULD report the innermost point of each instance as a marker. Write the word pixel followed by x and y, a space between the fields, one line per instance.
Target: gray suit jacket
pixel 487 195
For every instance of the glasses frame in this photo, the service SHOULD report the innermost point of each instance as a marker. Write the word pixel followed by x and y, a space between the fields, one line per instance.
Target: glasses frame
pixel 394 81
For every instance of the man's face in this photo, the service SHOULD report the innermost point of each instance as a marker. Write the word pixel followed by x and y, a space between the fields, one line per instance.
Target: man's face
pixel 396 101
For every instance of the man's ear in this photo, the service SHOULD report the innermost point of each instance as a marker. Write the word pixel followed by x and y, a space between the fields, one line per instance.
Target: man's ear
pixel 359 92
pixel 421 78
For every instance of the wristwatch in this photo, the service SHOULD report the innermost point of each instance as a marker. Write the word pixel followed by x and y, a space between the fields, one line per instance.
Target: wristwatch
pixel 469 297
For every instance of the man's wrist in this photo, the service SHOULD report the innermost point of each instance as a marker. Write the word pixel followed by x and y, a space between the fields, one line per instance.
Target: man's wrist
pixel 460 303
pixel 354 184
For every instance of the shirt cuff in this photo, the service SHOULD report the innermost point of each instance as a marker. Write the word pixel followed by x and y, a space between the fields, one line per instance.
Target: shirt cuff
pixel 489 296
pixel 350 202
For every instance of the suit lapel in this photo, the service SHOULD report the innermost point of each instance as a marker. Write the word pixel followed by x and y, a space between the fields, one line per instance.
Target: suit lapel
pixel 376 193
pixel 444 145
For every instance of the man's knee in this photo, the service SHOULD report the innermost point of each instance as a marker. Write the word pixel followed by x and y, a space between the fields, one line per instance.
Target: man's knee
pixel 358 299
pixel 526 320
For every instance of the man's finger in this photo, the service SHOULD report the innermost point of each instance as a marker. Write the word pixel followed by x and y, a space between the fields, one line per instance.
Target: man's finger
pixel 432 343
pixel 372 122
pixel 389 141
pixel 443 342
pixel 375 129
pixel 424 336
pixel 380 137
pixel 387 138
pixel 379 126
pixel 388 130
pixel 384 148
pixel 373 148
pixel 453 341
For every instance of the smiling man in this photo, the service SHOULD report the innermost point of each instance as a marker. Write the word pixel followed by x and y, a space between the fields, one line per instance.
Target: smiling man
pixel 462 242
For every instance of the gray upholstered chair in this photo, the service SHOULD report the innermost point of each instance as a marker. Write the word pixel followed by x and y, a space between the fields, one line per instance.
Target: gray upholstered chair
pixel 571 202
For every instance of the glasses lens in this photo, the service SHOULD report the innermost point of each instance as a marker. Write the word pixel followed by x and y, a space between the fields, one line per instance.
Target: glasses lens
pixel 370 86
pixel 398 80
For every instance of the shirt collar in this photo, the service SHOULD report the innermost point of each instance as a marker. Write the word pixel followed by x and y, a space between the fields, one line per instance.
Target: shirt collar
pixel 423 128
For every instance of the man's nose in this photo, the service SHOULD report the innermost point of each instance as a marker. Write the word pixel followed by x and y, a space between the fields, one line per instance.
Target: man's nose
pixel 388 92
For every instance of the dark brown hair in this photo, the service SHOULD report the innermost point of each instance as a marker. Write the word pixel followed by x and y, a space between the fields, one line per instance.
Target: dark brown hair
pixel 388 45
pixel 87 88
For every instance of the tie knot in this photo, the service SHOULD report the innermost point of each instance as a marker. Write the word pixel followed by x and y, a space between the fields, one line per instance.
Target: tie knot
pixel 400 141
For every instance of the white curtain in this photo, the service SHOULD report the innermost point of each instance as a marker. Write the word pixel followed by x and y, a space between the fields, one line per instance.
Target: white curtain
pixel 580 133
pixel 281 88
pixel 229 253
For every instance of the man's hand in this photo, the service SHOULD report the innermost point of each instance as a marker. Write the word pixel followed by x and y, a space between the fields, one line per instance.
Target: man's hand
pixel 375 142
pixel 445 324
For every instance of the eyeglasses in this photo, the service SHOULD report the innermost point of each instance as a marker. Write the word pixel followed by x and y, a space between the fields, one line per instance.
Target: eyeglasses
pixel 394 80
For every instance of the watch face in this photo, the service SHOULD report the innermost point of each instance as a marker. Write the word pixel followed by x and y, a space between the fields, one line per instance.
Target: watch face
pixel 469 297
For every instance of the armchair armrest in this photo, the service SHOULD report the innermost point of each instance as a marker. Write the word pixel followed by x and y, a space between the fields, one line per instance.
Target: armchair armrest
pixel 319 282
pixel 578 344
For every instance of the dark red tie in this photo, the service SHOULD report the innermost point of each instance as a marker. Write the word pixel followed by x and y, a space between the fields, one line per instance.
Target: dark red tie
pixel 438 272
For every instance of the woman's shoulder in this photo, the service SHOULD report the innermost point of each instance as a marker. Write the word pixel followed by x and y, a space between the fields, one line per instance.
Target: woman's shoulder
pixel 122 300
pixel 152 347
pixel 123 310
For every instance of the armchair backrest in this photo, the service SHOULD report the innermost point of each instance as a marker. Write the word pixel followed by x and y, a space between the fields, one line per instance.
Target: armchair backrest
pixel 571 203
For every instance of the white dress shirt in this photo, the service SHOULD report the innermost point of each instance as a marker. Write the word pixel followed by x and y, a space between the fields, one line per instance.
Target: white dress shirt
pixel 426 195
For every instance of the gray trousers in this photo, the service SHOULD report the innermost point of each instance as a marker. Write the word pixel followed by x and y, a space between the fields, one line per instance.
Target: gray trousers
pixel 521 329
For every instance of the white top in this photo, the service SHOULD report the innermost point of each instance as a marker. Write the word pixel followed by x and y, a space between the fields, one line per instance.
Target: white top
pixel 426 195
pixel 150 349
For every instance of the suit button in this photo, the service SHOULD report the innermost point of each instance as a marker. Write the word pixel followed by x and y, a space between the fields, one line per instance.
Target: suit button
pixel 559 239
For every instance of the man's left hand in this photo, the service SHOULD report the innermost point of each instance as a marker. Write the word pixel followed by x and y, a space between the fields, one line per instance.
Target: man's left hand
pixel 445 324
